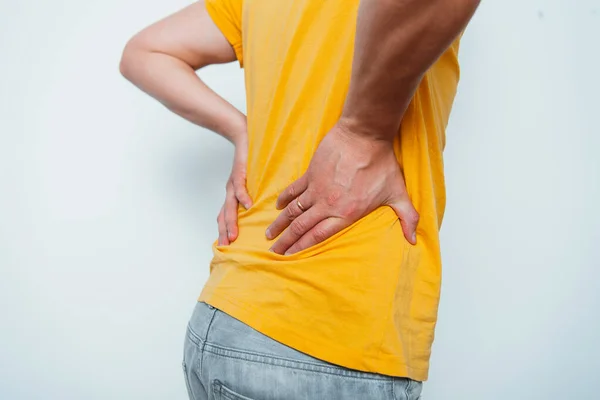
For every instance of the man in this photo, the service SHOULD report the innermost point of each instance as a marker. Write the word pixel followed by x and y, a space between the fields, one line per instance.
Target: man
pixel 325 279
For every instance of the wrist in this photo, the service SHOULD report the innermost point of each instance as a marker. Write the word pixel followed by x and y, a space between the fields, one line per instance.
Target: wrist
pixel 238 133
pixel 239 138
pixel 355 129
pixel 362 148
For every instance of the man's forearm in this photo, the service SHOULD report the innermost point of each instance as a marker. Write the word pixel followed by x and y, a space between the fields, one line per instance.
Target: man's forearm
pixel 396 42
pixel 176 85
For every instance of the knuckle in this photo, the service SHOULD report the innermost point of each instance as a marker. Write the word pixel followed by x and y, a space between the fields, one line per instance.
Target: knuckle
pixel 291 191
pixel 289 213
pixel 414 217
pixel 298 228
pixel 320 234
pixel 230 220
pixel 237 181
pixel 349 210
pixel 333 198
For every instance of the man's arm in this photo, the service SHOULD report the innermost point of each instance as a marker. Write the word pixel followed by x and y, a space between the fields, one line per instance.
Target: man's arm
pixel 396 42
pixel 354 170
pixel 162 59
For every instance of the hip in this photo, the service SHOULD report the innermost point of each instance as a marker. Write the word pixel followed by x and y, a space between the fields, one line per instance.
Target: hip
pixel 227 359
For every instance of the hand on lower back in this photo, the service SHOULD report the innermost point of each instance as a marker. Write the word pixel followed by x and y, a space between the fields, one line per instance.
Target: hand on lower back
pixel 235 193
pixel 348 177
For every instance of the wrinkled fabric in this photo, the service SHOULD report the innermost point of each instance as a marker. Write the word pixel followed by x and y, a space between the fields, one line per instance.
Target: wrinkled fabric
pixel 365 298
pixel 225 359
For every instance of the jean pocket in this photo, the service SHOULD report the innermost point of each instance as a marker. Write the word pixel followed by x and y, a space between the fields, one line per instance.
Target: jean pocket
pixel 407 389
pixel 222 392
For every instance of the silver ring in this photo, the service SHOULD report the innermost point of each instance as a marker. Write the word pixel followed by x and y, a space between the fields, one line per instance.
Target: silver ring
pixel 300 205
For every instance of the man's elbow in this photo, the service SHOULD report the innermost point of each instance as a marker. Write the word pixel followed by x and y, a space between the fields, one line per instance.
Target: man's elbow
pixel 131 58
pixel 134 54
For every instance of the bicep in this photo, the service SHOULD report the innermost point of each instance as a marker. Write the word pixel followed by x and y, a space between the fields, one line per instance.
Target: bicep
pixel 189 35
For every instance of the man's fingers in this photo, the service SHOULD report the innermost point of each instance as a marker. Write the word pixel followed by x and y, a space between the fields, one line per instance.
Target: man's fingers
pixel 292 191
pixel 285 218
pixel 409 218
pixel 230 211
pixel 223 241
pixel 241 193
pixel 323 230
pixel 298 227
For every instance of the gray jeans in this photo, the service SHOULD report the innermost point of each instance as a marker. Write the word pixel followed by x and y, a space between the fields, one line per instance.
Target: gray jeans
pixel 224 358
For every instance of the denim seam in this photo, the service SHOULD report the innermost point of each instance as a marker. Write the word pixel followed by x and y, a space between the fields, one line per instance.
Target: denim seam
pixel 201 358
pixel 406 391
pixel 216 390
pixel 223 392
pixel 288 363
pixel 194 337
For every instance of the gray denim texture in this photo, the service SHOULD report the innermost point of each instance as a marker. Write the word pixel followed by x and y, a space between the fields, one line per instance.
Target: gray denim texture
pixel 225 359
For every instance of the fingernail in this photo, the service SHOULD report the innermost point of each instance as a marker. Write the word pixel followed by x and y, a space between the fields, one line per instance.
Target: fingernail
pixel 247 205
pixel 414 237
pixel 268 233
pixel 271 250
pixel 230 235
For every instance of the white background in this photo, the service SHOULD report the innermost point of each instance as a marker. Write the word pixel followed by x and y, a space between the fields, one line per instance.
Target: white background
pixel 108 205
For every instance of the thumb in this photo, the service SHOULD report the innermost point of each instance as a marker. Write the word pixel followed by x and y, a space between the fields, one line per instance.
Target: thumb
pixel 409 218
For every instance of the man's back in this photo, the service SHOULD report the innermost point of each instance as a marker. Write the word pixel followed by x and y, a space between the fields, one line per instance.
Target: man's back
pixel 364 298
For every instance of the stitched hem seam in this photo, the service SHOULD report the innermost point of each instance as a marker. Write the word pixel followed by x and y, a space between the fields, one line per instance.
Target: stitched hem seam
pixel 286 363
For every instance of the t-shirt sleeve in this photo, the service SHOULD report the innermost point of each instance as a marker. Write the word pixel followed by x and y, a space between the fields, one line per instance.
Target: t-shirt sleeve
pixel 227 16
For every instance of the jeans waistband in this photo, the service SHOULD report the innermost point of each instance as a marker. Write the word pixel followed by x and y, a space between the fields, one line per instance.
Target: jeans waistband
pixel 201 319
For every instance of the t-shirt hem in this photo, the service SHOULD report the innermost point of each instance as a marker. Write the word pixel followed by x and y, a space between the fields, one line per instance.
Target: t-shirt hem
pixel 326 351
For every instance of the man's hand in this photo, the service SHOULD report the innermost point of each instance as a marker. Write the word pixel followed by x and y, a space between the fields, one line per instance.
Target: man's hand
pixel 235 193
pixel 349 176
pixel 354 170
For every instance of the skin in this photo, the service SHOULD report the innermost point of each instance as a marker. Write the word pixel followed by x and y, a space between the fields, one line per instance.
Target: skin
pixel 396 42
pixel 353 170
pixel 162 60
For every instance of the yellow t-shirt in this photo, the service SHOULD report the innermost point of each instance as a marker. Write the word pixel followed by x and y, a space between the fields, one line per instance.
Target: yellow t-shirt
pixel 365 298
